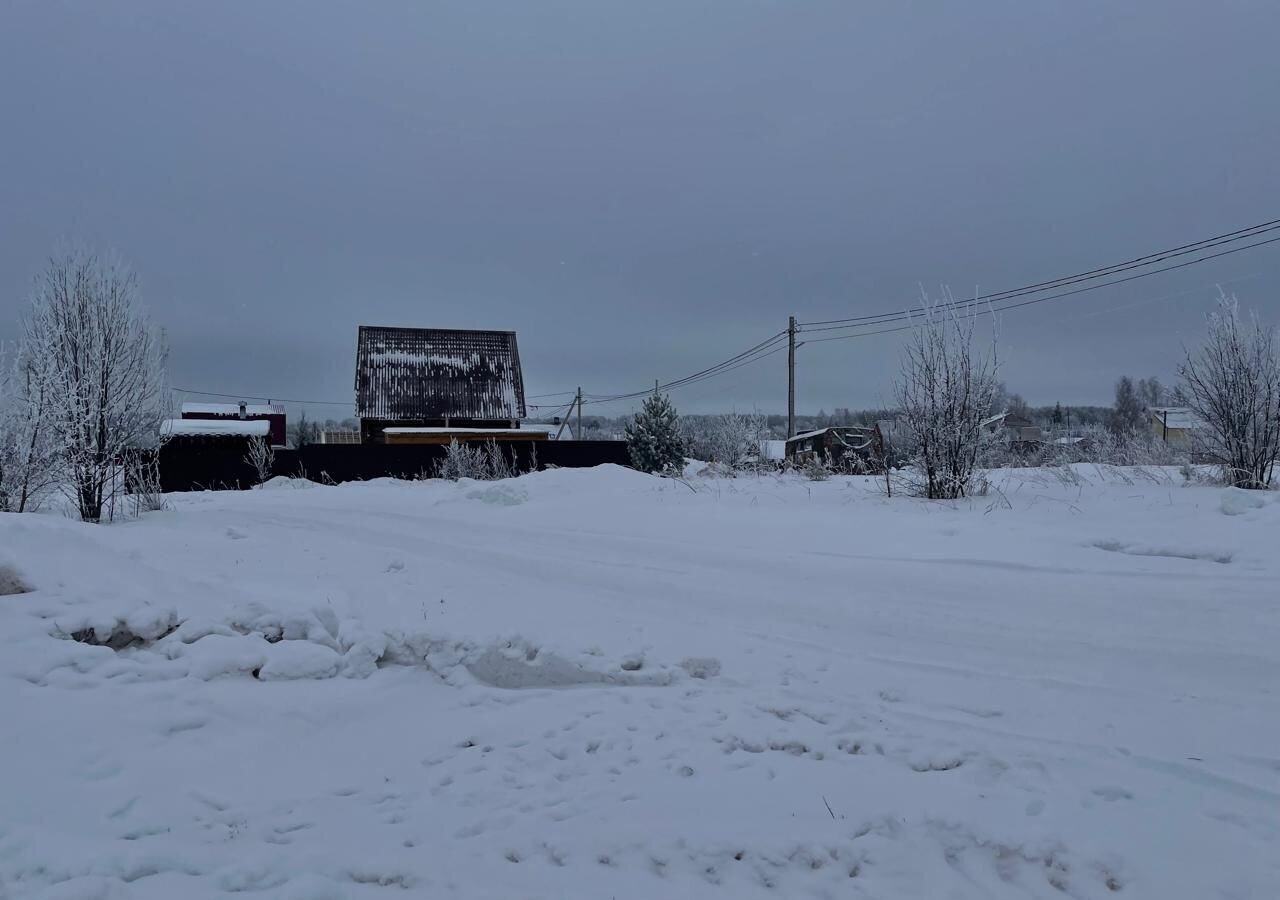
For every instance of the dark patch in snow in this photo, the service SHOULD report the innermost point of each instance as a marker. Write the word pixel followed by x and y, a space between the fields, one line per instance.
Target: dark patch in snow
pixel 11 583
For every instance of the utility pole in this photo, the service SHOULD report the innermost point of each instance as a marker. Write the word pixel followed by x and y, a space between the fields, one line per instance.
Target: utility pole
pixel 791 377
pixel 579 412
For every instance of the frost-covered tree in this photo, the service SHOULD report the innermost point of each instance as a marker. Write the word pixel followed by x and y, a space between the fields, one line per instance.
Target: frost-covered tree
pixel 100 364
pixel 735 437
pixel 654 442
pixel 1152 393
pixel 1130 413
pixel 1233 384
pixel 27 457
pixel 946 388
pixel 305 431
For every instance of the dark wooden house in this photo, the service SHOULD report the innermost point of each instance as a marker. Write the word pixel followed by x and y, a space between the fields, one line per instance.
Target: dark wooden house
pixel 271 413
pixel 852 449
pixel 435 384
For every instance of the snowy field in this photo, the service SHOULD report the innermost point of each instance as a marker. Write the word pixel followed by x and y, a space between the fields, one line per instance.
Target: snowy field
pixel 598 684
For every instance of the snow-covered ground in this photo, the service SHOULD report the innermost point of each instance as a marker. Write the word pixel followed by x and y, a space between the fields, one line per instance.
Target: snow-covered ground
pixel 597 684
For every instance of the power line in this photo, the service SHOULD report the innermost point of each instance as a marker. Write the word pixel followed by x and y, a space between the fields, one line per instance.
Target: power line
pixel 350 403
pixel 998 309
pixel 1102 272
pixel 674 386
pixel 751 354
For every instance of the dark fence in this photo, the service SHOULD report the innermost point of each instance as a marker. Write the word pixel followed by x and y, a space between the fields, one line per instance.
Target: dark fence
pixel 198 465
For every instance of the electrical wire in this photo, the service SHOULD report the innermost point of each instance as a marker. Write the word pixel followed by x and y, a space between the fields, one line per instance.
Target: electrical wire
pixel 1034 300
pixel 751 354
pixel 1064 281
pixel 350 403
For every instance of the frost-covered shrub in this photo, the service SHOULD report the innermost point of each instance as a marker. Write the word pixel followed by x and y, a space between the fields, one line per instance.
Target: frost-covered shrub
pixel 261 457
pixel 654 442
pixel 816 469
pixel 480 462
pixel 1233 385
pixel 945 391
pixel 28 453
pixel 142 480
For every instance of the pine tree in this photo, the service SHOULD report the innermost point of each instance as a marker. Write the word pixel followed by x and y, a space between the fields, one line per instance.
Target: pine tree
pixel 1057 414
pixel 653 437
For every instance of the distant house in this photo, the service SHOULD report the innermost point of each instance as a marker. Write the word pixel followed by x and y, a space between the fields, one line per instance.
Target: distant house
pixel 271 413
pixel 1176 426
pixel 1017 430
pixel 432 385
pixel 846 448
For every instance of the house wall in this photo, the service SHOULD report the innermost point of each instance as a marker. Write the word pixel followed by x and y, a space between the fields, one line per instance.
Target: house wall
pixel 1174 437
pixel 464 437
pixel 371 429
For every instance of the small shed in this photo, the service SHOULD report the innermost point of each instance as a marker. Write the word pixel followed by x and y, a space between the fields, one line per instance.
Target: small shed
pixel 1017 430
pixel 271 413
pixel 853 449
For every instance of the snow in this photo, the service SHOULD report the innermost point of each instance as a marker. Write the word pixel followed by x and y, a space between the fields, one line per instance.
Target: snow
pixel 234 427
pixel 232 409
pixel 804 435
pixel 594 683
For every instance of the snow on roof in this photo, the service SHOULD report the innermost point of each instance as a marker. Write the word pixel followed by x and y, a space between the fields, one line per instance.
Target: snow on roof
pixel 215 427
pixel 526 429
pixel 232 409
pixel 1177 417
pixel 804 434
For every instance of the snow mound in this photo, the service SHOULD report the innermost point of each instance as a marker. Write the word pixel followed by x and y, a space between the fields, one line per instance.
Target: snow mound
pixel 285 483
pixel 1237 502
pixel 499 495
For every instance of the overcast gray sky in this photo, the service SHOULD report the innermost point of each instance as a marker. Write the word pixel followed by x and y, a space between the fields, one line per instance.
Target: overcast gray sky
pixel 641 189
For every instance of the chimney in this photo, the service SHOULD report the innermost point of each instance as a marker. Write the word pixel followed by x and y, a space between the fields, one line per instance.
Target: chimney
pixel 244 410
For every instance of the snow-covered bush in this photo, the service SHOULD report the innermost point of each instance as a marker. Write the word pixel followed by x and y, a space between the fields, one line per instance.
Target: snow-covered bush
pixel 816 469
pixel 731 441
pixel 261 457
pixel 654 442
pixel 945 391
pixel 463 460
pixel 142 479
pixel 481 462
pixel 27 451
pixel 1233 385
pixel 100 364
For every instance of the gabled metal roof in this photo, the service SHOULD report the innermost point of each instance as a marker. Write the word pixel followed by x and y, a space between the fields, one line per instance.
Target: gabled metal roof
pixel 437 373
